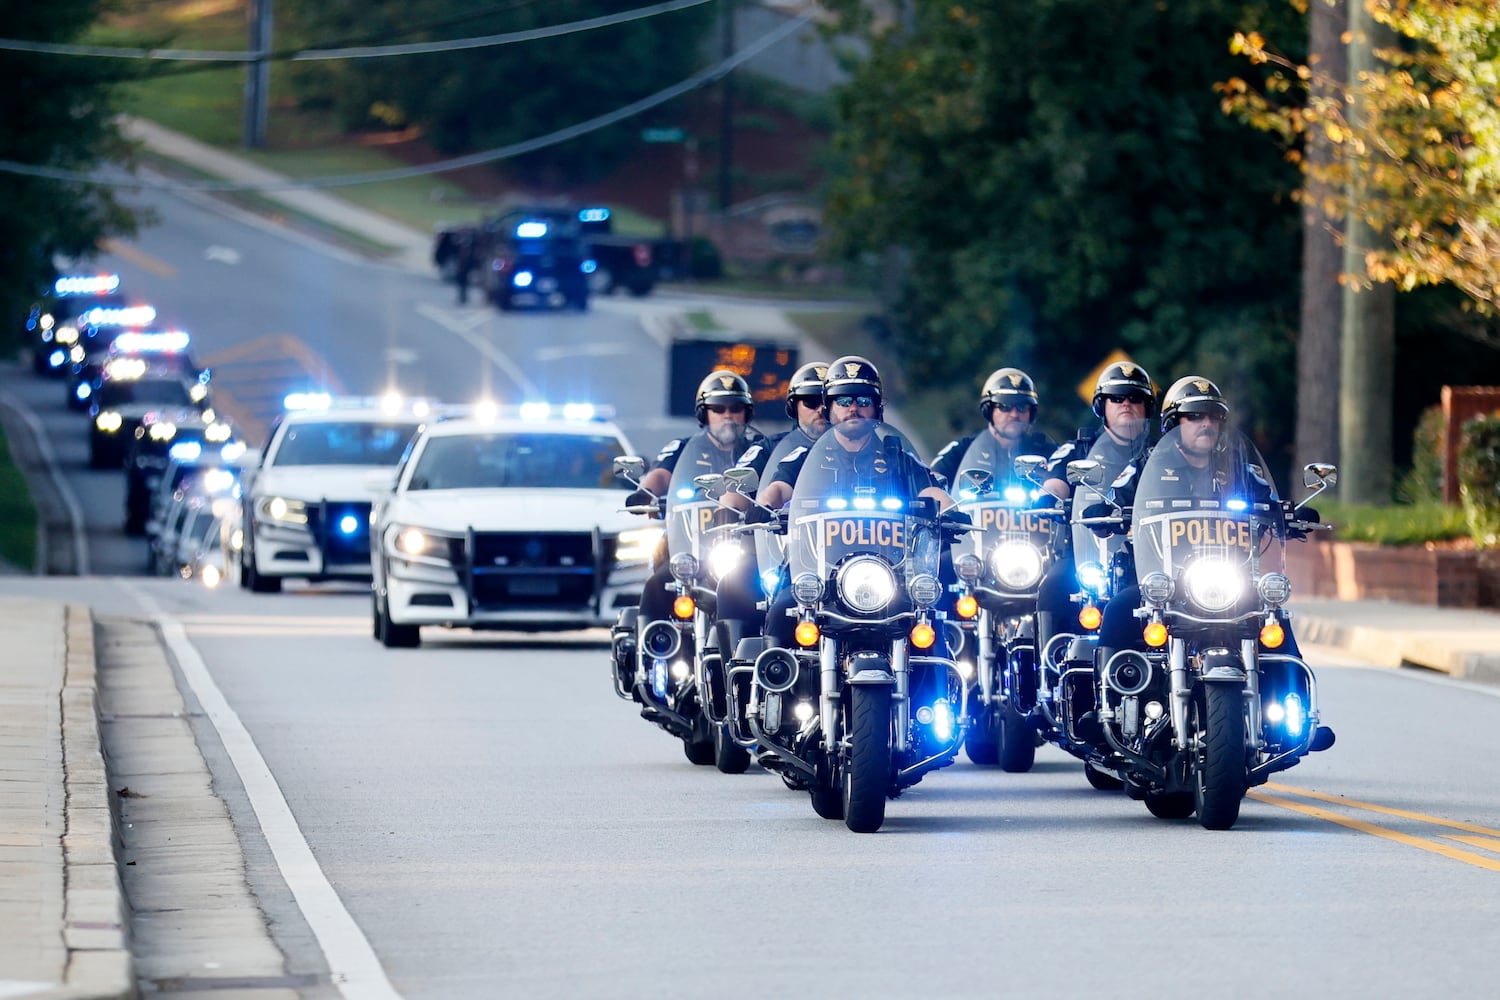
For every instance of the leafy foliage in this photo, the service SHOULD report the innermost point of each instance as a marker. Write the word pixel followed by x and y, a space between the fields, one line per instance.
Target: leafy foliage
pixel 58 112
pixel 1061 181
pixel 1479 478
pixel 1425 150
pixel 1398 524
pixel 485 98
pixel 1423 482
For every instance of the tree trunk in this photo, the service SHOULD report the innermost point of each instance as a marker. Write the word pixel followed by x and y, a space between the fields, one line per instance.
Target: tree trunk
pixel 1369 329
pixel 1318 342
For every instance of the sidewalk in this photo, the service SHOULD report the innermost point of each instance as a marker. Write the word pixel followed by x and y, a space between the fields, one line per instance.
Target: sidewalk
pixel 1461 642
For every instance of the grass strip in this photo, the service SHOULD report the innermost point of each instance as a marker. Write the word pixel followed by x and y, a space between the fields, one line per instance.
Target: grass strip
pixel 17 512
pixel 1396 524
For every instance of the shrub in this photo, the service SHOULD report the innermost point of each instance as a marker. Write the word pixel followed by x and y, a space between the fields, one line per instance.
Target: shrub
pixel 1479 478
pixel 1423 482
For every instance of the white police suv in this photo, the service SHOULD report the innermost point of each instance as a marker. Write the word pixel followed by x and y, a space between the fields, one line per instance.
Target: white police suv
pixel 306 508
pixel 508 520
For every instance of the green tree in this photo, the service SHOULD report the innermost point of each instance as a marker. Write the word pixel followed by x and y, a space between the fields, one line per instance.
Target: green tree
pixel 485 98
pixel 58 113
pixel 1061 180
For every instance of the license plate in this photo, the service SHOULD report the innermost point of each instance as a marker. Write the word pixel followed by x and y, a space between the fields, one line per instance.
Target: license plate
pixel 532 586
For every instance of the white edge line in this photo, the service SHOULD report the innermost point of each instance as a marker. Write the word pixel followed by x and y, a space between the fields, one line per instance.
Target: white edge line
pixel 354 966
pixel 70 501
pixel 484 347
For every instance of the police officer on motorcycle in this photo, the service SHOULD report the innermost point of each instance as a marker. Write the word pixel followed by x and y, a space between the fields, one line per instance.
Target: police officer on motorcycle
pixel 1123 401
pixel 1008 403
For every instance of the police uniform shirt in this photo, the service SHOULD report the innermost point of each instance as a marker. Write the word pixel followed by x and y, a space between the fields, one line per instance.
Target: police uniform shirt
pixel 769 452
pixel 867 467
pixel 669 454
pixel 945 463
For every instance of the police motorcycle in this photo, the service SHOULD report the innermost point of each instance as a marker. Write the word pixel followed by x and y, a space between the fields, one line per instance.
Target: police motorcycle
pixel 864 703
pixel 1212 706
pixel 671 666
pixel 1000 563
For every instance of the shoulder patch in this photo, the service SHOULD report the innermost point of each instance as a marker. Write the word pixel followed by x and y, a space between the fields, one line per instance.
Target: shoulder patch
pixel 950 446
pixel 669 449
pixel 793 455
pixel 1064 449
pixel 1124 478
pixel 751 455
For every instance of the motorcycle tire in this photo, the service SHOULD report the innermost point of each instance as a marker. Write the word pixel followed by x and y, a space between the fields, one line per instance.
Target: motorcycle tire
pixel 729 756
pixel 827 800
pixel 1219 778
pixel 867 773
pixel 699 748
pixel 1170 805
pixel 1101 779
pixel 982 742
pixel 1017 741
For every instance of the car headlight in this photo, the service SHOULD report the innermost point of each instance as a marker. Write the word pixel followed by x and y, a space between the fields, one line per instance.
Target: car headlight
pixel 724 557
pixel 1016 565
pixel 283 510
pixel 67 335
pixel 1214 585
pixel 419 545
pixel 109 421
pixel 637 544
pixel 218 433
pixel 866 584
pixel 164 431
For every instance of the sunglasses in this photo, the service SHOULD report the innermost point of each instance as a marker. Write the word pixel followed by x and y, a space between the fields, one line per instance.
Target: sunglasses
pixel 853 401
pixel 811 402
pixel 1012 407
pixel 1194 418
pixel 731 408
pixel 1139 400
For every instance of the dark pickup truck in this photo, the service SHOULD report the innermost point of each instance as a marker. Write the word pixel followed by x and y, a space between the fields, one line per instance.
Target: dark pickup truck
pixel 617 261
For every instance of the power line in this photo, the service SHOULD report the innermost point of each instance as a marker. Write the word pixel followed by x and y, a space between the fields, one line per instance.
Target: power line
pixel 357 52
pixel 702 78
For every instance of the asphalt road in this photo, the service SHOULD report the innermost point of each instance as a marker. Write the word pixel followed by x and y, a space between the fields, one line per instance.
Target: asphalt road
pixel 496 823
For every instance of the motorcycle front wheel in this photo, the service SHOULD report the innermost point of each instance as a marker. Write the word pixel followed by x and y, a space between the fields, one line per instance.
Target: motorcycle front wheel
pixel 1017 741
pixel 982 743
pixel 867 773
pixel 1219 779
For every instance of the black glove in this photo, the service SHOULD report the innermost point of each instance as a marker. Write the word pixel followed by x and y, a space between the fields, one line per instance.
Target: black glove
pixel 1309 514
pixel 1103 530
pixel 759 514
pixel 955 518
pixel 639 498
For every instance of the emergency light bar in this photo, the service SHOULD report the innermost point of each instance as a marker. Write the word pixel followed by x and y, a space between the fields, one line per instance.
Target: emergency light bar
pixel 159 342
pixel 531 230
pixel 534 411
pixel 392 403
pixel 126 316
pixel 84 284
pixel 593 214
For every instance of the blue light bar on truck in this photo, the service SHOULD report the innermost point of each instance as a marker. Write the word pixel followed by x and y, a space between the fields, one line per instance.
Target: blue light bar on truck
pixel 126 316
pixel 531 230
pixel 156 342
pixel 593 214
pixel 86 284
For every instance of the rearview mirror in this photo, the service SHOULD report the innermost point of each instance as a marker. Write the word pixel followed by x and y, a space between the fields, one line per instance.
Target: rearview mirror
pixel 631 467
pixel 1085 471
pixel 712 484
pixel 1030 467
pixel 1320 474
pixel 978 480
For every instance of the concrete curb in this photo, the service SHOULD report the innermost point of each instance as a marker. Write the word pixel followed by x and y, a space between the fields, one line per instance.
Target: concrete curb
pixel 96 916
pixel 1454 654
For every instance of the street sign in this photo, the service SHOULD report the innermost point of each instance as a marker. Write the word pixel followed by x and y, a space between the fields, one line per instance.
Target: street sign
pixel 663 134
pixel 768 367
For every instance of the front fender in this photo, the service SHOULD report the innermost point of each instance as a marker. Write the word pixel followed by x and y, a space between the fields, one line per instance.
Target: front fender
pixel 870 667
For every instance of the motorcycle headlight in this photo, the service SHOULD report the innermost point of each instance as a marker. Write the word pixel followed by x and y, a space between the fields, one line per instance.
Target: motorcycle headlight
pixel 924 589
pixel 723 558
pixel 637 544
pixel 1091 577
pixel 1214 585
pixel 1157 588
pixel 1274 589
pixel 283 510
pixel 968 566
pixel 866 584
pixel 807 589
pixel 1016 565
pixel 684 567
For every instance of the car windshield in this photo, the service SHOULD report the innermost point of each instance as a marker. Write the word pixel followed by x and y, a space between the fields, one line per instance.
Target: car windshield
pixel 545 461
pixel 346 442
pixel 157 391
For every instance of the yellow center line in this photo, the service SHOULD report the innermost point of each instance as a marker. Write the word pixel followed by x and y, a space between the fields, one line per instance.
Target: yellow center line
pixel 132 253
pixel 1420 843
pixel 1339 800
pixel 1488 843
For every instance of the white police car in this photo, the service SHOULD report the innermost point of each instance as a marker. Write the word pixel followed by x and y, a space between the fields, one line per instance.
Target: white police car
pixel 306 509
pixel 508 520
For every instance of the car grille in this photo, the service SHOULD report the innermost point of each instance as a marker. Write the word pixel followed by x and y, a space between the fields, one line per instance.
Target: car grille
pixel 331 522
pixel 509 570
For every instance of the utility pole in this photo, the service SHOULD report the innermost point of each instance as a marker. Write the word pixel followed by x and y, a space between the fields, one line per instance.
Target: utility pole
pixel 726 113
pixel 1368 369
pixel 258 74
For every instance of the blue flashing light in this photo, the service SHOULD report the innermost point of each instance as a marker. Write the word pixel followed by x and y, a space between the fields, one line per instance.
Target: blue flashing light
pixel 535 411
pixel 579 411
pixel 968 493
pixel 531 230
pixel 56 358
pixel 84 390
pixel 186 451
pixel 1091 577
pixel 769 578
pixel 522 279
pixel 685 493
pixel 942 720
pixel 659 677
pixel 891 503
pixel 593 214
pixel 217 480
pixel 1236 504
pixel 164 342
pixel 232 451
pixel 128 316
pixel 1296 718
pixel 864 503
pixel 1015 494
pixel 589 266
pixel 838 503
pixel 348 524
pixel 86 284
pixel 307 401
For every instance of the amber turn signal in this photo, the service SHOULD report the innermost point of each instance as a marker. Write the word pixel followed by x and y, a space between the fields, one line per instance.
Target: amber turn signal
pixel 922 635
pixel 684 607
pixel 1090 617
pixel 806 633
pixel 967 606
pixel 1272 635
pixel 1156 635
